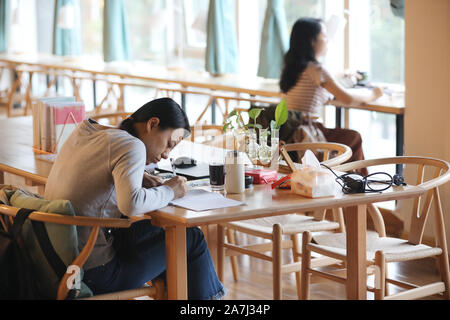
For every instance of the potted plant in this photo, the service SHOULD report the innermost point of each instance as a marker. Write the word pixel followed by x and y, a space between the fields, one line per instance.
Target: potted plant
pixel 258 153
pixel 281 116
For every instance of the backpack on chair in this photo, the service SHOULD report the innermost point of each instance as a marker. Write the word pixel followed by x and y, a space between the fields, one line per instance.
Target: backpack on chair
pixel 19 278
pixel 17 281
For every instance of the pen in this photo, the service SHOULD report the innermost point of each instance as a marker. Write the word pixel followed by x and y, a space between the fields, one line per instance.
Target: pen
pixel 173 167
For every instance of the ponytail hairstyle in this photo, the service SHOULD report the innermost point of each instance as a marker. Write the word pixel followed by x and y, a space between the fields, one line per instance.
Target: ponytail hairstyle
pixel 301 51
pixel 168 112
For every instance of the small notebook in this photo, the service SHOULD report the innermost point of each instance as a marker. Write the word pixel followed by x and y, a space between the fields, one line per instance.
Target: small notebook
pixel 201 200
pixel 201 170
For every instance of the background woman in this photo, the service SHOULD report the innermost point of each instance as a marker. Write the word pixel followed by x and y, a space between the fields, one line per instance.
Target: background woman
pixel 101 171
pixel 308 86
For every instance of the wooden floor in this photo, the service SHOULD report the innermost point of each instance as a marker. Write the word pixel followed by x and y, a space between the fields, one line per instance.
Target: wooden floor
pixel 255 278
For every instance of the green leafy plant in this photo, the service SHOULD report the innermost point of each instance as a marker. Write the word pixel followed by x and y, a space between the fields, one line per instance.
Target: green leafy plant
pixel 254 114
pixel 281 115
pixel 233 121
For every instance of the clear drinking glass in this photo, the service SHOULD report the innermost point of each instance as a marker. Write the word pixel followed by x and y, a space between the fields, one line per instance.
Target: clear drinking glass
pixel 252 147
pixel 274 140
pixel 264 151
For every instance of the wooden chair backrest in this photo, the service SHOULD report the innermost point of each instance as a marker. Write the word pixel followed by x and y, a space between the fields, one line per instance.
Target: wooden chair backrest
pixel 208 131
pixel 95 223
pixel 440 174
pixel 343 152
pixel 111 117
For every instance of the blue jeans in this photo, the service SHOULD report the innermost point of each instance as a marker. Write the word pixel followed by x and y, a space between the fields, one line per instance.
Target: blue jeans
pixel 150 263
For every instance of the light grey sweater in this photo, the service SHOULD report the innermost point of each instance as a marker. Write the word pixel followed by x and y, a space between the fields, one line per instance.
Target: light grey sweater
pixel 100 172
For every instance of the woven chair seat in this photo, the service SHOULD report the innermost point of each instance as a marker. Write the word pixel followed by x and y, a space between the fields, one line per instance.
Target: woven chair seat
pixel 395 250
pixel 290 224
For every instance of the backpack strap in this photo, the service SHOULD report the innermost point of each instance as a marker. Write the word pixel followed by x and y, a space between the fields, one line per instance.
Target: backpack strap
pixel 19 220
pixel 40 231
pixel 55 261
pixel 14 230
pixel 58 266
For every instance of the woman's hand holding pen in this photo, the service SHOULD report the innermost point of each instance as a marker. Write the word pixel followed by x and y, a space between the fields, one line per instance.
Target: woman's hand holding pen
pixel 178 185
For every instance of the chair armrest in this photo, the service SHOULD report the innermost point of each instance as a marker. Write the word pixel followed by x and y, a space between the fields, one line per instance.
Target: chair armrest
pixel 68 220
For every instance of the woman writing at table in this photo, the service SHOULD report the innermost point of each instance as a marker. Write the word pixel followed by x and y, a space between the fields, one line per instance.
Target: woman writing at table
pixel 308 86
pixel 101 171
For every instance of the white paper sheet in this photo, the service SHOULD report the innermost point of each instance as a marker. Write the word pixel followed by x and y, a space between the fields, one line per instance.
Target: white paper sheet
pixel 201 200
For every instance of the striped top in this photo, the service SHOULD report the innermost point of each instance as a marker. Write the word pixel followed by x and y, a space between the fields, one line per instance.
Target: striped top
pixel 308 95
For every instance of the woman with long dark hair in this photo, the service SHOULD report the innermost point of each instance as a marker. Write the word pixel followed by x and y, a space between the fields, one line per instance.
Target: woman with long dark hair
pixel 308 85
pixel 100 170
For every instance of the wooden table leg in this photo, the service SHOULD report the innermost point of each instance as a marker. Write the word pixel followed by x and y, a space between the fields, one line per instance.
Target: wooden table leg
pixel 176 262
pixel 355 219
pixel 220 252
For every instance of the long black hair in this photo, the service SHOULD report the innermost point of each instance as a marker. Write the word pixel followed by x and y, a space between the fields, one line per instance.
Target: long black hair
pixel 167 110
pixel 301 51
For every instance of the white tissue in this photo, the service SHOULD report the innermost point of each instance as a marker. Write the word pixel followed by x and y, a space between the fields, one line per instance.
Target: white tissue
pixel 309 159
pixel 311 180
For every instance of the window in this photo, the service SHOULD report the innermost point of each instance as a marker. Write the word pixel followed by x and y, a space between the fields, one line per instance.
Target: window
pixel 22 29
pixel 148 22
pixel 196 17
pixel 387 41
pixel 296 9
pixel 168 31
pixel 92 27
pixel 376 41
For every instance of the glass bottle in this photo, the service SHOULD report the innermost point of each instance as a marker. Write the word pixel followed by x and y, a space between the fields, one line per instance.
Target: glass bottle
pixel 252 146
pixel 274 140
pixel 264 151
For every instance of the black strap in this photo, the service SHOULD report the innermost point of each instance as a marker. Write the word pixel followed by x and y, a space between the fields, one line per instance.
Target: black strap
pixel 53 258
pixel 40 231
pixel 19 220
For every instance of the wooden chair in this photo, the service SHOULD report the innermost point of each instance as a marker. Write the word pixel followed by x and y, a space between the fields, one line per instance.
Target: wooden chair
pixel 205 133
pixel 113 118
pixel 74 78
pixel 155 290
pixel 382 250
pixel 332 153
pixel 4 91
pixel 223 101
pixel 170 91
pixel 275 228
pixel 116 93
pixel 21 90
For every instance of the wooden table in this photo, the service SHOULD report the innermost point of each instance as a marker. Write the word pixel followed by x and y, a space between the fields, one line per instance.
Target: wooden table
pixel 262 201
pixel 17 157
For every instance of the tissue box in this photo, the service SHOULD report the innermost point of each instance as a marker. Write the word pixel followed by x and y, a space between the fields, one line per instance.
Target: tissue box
pixel 313 182
pixel 261 176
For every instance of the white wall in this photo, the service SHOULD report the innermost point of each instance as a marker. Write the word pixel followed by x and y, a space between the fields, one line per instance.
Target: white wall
pixel 427 81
